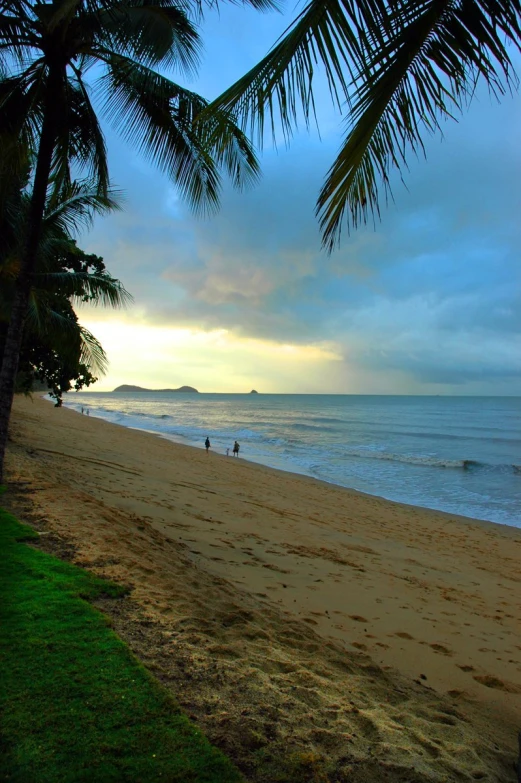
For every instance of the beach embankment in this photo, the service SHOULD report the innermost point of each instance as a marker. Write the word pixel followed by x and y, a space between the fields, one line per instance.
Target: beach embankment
pixel 299 623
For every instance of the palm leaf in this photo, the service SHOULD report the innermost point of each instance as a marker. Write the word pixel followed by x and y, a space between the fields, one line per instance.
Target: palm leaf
pixel 100 289
pixel 400 67
pixel 158 117
pixel 259 5
pixel 426 72
pixel 281 85
pixel 72 338
pixel 21 106
pixel 228 147
pixel 15 39
pixel 92 353
pixel 74 206
pixel 80 139
pixel 157 33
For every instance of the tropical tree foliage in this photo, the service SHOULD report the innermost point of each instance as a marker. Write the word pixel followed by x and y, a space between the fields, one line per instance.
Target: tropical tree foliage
pixel 398 68
pixel 56 350
pixel 53 57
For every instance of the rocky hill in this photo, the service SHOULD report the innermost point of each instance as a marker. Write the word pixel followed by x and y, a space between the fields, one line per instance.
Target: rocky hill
pixel 130 388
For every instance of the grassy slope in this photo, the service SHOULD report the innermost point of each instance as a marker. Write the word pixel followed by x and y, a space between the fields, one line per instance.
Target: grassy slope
pixel 75 705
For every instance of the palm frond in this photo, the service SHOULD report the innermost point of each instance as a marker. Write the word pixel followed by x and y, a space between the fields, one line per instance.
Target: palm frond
pixel 58 13
pixel 157 33
pixel 74 205
pixel 228 147
pixel 426 72
pixel 92 353
pixel 281 85
pixel 399 67
pixel 14 167
pixel 99 289
pixel 15 38
pixel 158 117
pixel 67 336
pixel 21 105
pixel 258 5
pixel 80 139
pixel 53 244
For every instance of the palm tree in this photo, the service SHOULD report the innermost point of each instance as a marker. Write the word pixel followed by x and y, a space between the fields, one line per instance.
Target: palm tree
pixel 398 67
pixel 63 276
pixel 47 51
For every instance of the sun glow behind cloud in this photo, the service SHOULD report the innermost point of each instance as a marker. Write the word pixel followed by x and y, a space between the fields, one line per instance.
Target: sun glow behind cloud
pixel 212 361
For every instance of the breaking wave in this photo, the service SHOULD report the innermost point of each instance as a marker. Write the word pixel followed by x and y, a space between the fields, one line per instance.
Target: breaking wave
pixel 435 462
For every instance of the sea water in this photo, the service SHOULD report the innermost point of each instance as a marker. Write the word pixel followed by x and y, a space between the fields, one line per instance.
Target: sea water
pixel 455 454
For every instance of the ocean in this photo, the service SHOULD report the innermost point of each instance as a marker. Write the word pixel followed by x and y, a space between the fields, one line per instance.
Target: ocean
pixel 455 454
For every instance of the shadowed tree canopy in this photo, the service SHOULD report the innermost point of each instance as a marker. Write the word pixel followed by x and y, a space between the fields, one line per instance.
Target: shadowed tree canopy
pixel 56 350
pixel 397 68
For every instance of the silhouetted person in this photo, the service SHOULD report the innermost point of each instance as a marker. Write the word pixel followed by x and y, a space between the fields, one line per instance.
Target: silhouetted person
pixel 207 444
pixel 236 448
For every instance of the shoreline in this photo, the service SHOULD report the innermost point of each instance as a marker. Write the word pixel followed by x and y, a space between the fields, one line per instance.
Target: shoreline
pixel 462 517
pixel 182 444
pixel 420 602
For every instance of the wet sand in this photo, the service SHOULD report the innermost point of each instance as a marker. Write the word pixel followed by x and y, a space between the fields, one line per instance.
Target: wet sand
pixel 290 613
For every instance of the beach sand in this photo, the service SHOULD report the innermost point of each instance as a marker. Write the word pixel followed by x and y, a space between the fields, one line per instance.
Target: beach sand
pixel 305 627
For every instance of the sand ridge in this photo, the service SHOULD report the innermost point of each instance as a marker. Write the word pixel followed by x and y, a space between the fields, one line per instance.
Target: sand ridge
pixel 295 596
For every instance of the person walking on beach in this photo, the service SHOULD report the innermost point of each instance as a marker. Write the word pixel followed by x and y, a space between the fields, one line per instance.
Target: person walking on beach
pixel 207 443
pixel 236 448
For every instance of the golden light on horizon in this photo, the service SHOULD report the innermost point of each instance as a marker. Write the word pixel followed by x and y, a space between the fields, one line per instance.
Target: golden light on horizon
pixel 212 361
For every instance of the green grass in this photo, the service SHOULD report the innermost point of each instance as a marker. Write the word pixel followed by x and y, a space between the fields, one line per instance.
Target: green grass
pixel 75 705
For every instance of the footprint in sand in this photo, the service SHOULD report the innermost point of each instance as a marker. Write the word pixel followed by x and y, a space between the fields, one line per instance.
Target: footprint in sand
pixel 228 543
pixel 457 694
pixel 440 648
pixel 493 682
pixel 276 568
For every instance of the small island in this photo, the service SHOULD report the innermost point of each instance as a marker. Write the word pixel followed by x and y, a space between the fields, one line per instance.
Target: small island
pixel 129 388
pixel 254 391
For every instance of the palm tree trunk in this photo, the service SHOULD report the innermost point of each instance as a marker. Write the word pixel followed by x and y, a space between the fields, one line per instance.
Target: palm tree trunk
pixel 14 335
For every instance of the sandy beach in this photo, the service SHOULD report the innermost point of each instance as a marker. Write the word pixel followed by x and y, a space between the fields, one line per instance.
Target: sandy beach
pixel 287 615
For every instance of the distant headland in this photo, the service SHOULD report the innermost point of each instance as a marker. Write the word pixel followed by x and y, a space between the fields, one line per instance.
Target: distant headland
pixel 129 388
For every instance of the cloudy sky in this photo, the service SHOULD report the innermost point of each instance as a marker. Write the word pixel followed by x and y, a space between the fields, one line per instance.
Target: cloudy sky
pixel 425 302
